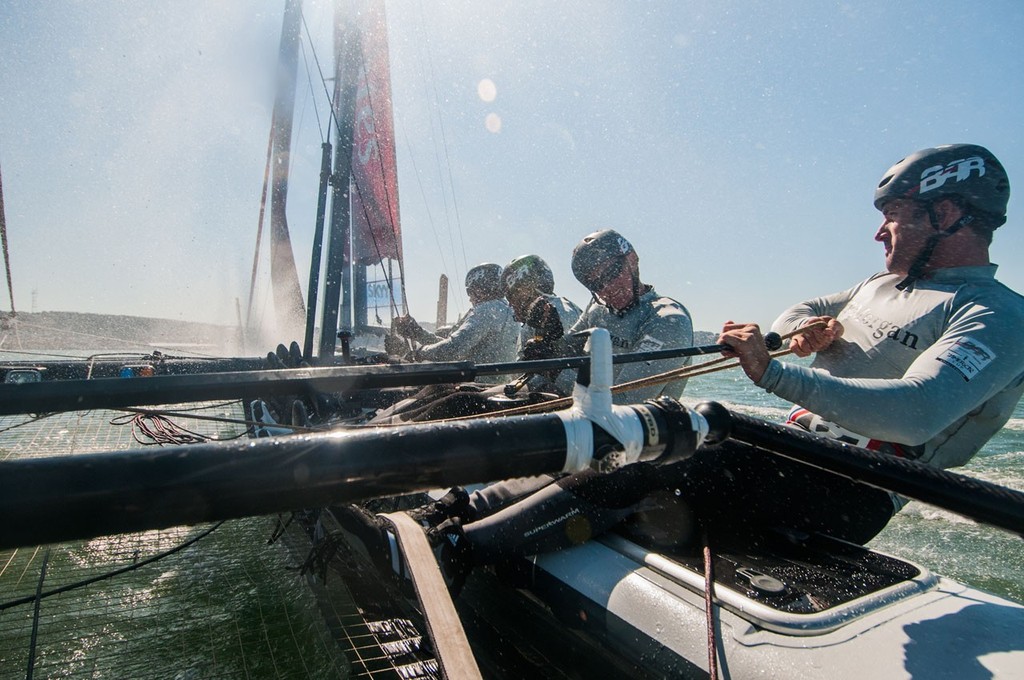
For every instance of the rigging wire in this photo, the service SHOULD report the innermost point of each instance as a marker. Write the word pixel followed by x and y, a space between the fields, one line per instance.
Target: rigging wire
pixel 444 145
pixel 38 599
pixel 425 58
pixel 309 80
pixel 33 417
pixel 259 223
pixel 3 240
pixel 110 574
pixel 323 79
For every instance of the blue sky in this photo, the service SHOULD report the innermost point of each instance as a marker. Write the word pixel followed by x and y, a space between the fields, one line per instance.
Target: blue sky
pixel 736 146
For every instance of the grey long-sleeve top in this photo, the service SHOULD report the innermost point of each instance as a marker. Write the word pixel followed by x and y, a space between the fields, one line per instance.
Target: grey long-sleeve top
pixel 939 367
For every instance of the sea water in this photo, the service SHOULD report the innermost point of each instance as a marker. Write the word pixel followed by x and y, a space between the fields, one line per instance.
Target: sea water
pixel 946 543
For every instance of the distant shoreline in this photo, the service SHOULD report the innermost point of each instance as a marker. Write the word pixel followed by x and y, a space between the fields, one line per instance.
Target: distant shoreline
pixel 81 331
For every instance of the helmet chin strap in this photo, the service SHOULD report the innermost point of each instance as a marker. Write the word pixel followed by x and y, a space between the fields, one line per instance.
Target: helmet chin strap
pixel 923 257
pixel 638 292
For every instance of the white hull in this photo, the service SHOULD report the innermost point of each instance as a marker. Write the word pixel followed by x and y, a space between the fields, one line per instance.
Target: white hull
pixel 927 627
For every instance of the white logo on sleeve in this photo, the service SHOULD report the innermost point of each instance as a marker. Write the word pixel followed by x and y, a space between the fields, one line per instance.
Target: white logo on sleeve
pixel 649 344
pixel 968 357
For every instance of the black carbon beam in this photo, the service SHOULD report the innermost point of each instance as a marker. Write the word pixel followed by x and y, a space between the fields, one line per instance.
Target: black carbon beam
pixel 48 500
pixel 82 395
pixel 974 498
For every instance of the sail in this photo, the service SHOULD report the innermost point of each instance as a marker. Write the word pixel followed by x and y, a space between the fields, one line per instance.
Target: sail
pixel 376 232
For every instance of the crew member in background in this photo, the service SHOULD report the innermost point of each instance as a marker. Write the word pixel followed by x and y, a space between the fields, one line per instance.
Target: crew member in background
pixel 529 287
pixel 923 360
pixel 636 316
pixel 487 333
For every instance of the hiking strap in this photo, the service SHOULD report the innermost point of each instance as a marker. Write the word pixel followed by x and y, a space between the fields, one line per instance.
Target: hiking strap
pixel 451 646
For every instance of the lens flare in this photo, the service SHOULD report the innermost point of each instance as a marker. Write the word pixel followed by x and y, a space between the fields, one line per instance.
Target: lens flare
pixel 487 90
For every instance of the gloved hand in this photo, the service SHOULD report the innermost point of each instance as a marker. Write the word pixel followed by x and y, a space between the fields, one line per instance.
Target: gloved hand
pixel 543 318
pixel 406 326
pixel 290 357
pixel 537 348
pixel 306 409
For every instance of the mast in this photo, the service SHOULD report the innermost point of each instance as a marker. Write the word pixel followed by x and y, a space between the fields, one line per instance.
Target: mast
pixel 318 239
pixel 339 247
pixel 365 228
pixel 288 302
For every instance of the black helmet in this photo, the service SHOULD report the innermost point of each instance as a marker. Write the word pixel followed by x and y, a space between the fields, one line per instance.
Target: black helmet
pixel 965 170
pixel 593 251
pixel 528 271
pixel 484 281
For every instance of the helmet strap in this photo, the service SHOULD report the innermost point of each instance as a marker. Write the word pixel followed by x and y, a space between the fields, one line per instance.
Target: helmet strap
pixel 923 257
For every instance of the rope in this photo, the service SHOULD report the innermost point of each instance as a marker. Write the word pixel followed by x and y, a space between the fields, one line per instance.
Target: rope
pixel 218 419
pixel 709 610
pixel 703 368
pixel 155 428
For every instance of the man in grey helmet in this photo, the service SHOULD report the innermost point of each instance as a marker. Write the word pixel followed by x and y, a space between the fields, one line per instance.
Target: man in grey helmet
pixel 529 287
pixel 485 334
pixel 923 360
pixel 636 316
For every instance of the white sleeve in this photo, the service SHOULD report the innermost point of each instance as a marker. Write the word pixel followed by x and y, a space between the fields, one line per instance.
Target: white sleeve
pixel 969 364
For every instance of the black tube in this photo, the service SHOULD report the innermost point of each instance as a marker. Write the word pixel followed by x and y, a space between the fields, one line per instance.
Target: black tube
pixel 250 383
pixel 974 498
pixel 79 395
pixel 48 500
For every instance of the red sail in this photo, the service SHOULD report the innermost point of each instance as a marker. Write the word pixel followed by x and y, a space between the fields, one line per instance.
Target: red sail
pixel 376 233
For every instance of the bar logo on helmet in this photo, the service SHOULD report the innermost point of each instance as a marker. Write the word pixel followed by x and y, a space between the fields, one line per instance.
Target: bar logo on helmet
pixel 516 276
pixel 959 170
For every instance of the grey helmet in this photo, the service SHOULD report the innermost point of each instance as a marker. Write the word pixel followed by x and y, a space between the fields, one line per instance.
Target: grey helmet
pixel 528 271
pixel 590 254
pixel 965 170
pixel 484 281
pixel 966 173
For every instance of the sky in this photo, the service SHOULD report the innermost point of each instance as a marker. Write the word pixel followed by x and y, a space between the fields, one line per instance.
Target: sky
pixel 736 146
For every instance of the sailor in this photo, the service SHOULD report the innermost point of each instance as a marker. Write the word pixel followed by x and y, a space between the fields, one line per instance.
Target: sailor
pixel 923 360
pixel 637 317
pixel 485 334
pixel 529 286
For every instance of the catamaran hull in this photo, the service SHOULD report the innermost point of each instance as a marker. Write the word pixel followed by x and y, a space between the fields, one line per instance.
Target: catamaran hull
pixel 651 610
